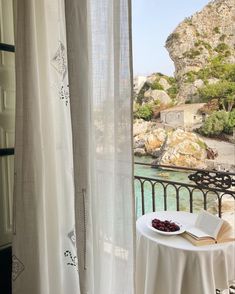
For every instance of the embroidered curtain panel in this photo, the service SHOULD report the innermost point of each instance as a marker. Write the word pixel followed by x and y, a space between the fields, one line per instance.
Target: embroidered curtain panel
pixel 44 247
pixel 73 196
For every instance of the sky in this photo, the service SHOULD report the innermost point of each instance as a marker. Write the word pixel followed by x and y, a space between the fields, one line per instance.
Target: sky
pixel 152 22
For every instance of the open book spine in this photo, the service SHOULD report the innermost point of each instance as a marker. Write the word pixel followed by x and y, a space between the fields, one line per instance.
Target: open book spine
pixel 205 241
pixel 224 235
pixel 198 242
pixel 200 238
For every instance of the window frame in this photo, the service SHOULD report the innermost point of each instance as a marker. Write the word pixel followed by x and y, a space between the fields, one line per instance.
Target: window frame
pixel 11 49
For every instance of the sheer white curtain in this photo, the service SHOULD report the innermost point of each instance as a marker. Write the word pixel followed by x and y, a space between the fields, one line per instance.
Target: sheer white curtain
pixel 46 249
pixel 99 55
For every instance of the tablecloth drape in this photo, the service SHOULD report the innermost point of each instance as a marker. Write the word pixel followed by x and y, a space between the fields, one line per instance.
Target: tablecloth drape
pixel 170 264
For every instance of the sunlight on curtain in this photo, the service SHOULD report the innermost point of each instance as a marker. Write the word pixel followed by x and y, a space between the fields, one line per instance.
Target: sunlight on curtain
pixel 62 243
pixel 44 246
pixel 98 34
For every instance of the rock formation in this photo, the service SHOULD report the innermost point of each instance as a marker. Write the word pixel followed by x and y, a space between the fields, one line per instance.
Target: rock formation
pixel 156 87
pixel 197 40
pixel 180 148
pixel 156 95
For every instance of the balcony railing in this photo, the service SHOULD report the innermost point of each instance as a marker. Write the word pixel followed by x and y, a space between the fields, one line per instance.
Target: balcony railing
pixel 204 188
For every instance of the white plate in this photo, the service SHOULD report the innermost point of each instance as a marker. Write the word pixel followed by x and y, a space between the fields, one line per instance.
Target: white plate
pixel 182 229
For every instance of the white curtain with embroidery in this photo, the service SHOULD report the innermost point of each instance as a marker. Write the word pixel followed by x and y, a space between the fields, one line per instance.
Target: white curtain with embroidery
pixel 73 200
pixel 44 247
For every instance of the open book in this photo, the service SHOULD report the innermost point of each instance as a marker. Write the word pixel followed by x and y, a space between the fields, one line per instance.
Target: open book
pixel 208 229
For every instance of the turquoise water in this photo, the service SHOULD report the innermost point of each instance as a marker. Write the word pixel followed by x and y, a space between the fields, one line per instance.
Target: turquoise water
pixel 181 177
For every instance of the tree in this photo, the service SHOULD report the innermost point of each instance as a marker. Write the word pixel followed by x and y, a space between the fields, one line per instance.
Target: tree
pixel 224 91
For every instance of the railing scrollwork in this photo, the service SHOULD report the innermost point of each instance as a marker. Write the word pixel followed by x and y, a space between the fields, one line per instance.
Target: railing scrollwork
pixel 207 179
pixel 209 184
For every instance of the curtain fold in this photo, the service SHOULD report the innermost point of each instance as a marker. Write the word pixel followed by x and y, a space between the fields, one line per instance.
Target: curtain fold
pixel 100 75
pixel 44 247
pixel 74 220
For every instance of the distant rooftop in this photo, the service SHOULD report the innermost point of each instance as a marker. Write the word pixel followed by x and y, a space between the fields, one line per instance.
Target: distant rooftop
pixel 183 107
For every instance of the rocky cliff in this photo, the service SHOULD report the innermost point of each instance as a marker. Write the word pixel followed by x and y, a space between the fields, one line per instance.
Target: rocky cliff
pixel 170 147
pixel 198 41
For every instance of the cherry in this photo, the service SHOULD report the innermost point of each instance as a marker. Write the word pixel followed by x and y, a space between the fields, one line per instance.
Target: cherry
pixel 165 226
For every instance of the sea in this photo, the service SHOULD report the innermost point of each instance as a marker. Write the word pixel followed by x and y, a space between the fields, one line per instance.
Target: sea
pixel 168 175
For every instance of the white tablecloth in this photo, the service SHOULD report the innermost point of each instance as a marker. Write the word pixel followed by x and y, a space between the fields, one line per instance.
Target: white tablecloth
pixel 172 265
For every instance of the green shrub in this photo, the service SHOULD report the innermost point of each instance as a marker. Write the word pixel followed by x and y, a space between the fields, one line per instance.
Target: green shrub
pixel 216 30
pixel 222 47
pixel 206 45
pixel 140 96
pixel 230 123
pixel 144 111
pixel 229 72
pixel 191 76
pixel 156 102
pixel 204 74
pixel 223 71
pixel 192 53
pixel 219 122
pixel 173 91
pixel 202 144
pixel 156 86
pixel 227 53
pixel 215 123
pixel 171 80
pixel 222 37
pixel 159 74
pixel 172 36
pixel 202 43
pixel 216 68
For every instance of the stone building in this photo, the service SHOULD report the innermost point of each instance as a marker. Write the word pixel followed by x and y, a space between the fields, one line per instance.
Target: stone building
pixel 186 116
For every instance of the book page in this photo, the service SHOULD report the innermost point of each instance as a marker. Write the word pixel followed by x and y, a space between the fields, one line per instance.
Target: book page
pixel 197 233
pixel 226 233
pixel 208 223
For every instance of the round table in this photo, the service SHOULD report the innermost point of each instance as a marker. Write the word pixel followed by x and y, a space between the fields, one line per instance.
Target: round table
pixel 172 265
